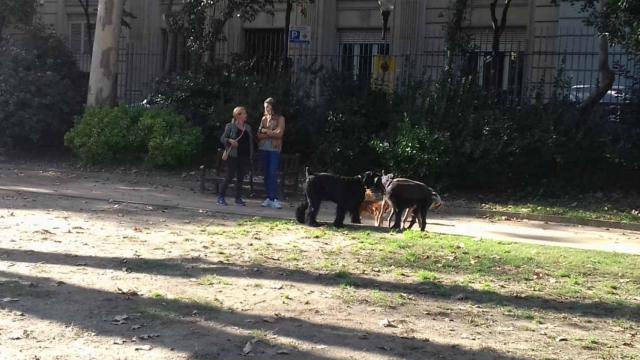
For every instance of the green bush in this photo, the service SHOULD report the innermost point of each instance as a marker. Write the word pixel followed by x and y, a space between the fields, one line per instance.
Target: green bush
pixel 171 141
pixel 348 117
pixel 414 151
pixel 106 135
pixel 111 135
pixel 41 90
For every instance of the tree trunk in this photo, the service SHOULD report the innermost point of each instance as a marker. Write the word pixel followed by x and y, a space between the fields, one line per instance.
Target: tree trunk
pixel 169 63
pixel 606 76
pixel 287 27
pixel 104 60
pixel 180 53
pixel 498 30
pixel 171 41
pixel 453 32
pixel 1 27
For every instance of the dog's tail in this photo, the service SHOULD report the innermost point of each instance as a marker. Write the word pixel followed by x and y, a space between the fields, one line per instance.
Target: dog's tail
pixel 300 210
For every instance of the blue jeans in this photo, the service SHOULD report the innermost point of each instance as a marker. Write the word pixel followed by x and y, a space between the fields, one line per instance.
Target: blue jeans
pixel 271 163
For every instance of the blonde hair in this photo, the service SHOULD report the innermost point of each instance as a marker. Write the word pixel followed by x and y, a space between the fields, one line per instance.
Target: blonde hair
pixel 237 111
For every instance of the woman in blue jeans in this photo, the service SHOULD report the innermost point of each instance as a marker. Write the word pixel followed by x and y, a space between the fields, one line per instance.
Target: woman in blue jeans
pixel 270 133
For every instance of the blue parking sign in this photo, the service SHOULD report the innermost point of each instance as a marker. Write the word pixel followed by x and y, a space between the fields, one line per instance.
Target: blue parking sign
pixel 300 35
pixel 294 36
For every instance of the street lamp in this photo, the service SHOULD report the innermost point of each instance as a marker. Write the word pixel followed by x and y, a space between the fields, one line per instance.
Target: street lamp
pixel 386 6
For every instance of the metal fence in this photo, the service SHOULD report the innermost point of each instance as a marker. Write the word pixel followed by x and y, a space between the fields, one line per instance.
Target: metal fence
pixel 138 70
pixel 565 65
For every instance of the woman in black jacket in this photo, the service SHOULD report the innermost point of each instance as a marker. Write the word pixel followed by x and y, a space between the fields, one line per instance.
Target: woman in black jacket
pixel 238 139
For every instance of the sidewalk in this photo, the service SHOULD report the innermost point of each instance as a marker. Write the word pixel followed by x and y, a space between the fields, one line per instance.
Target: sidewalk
pixel 163 191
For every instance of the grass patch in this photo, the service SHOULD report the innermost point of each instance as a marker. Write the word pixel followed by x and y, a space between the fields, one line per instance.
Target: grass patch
pixel 213 280
pixel 593 282
pixel 344 277
pixel 520 314
pixel 427 276
pixel 260 334
pixel 387 300
pixel 599 212
pixel 347 294
pixel 294 253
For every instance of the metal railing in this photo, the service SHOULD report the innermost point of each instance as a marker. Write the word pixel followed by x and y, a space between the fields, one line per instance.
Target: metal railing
pixel 566 66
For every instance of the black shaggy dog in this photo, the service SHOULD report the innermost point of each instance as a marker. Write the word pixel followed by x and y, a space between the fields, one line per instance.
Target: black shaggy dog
pixel 346 192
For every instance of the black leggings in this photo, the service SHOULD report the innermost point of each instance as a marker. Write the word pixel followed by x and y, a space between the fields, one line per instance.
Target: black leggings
pixel 236 167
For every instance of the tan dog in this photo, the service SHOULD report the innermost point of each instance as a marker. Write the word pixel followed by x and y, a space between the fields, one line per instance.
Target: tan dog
pixel 377 208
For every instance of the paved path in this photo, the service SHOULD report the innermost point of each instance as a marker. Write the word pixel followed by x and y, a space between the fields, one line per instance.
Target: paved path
pixel 176 191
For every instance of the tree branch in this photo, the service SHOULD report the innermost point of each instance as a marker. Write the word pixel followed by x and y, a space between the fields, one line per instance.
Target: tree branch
pixel 494 19
pixel 505 10
pixel 607 77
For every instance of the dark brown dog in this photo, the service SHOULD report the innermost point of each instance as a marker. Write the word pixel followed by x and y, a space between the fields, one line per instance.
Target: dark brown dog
pixel 404 194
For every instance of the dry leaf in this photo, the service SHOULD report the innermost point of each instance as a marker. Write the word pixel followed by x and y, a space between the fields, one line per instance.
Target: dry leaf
pixel 143 347
pixel 538 275
pixel 129 292
pixel 249 346
pixel 120 319
pixel 387 323
pixel 460 297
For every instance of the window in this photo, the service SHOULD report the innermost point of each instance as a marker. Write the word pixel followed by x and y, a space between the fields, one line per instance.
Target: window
pixel 510 70
pixel 266 46
pixel 356 58
pixel 510 62
pixel 79 38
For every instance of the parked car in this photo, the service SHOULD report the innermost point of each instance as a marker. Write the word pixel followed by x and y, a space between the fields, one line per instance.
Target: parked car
pixel 614 101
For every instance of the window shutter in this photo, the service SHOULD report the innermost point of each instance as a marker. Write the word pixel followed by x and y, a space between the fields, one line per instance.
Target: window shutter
pixel 76 37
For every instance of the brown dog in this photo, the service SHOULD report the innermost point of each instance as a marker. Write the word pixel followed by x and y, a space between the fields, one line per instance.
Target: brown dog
pixel 377 208
pixel 371 204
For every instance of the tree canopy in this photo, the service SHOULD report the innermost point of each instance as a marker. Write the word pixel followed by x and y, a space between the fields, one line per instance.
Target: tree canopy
pixel 16 12
pixel 620 19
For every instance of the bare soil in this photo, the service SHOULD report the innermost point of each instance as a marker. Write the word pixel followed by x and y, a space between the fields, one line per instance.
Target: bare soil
pixel 87 279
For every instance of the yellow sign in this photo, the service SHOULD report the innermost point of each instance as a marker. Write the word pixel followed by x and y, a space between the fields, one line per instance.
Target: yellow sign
pixel 384 72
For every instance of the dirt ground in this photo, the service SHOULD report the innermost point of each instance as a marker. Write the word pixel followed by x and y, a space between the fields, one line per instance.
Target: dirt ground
pixel 89 279
pixel 82 277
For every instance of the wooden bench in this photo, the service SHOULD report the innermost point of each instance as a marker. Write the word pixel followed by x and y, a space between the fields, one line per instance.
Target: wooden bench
pixel 288 175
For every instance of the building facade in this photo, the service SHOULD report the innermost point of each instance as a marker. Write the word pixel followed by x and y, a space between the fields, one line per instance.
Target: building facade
pixel 542 40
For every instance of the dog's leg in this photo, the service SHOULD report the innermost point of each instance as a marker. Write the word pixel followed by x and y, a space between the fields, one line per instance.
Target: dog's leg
pixel 391 216
pixel 340 214
pixel 383 209
pixel 423 216
pixel 300 212
pixel 398 217
pixel 312 213
pixel 410 212
pixel 355 215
